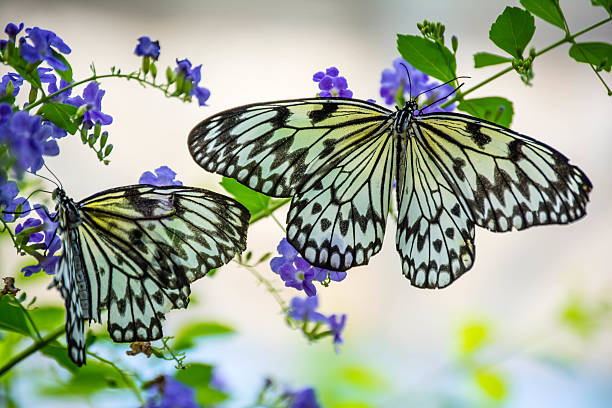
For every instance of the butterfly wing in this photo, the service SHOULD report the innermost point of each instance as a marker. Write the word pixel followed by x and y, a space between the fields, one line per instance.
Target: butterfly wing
pixel 334 156
pixel 508 180
pixel 142 245
pixel 476 172
pixel 435 231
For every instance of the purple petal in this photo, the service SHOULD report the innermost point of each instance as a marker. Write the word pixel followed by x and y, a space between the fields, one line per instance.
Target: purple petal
pixel 332 71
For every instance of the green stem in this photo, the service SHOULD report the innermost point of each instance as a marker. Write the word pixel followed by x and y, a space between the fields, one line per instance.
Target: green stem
pixel 128 381
pixel 268 286
pixel 567 39
pixel 95 78
pixel 27 314
pixel 31 350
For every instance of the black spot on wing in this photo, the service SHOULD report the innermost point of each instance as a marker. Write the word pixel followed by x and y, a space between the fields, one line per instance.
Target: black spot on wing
pixel 282 114
pixel 514 150
pixel 326 110
pixel 475 131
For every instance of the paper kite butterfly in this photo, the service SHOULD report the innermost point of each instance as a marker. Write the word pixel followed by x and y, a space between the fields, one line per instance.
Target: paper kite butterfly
pixel 134 251
pixel 339 158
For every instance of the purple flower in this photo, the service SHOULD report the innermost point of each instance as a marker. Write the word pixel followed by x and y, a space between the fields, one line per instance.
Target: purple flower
pixel 170 393
pixel 299 275
pixel 336 326
pixel 297 272
pixel 92 98
pixel 12 30
pixel 305 398
pixel 5 112
pixel 396 80
pixel 147 48
pixel 40 50
pixel 163 176
pixel 63 96
pixel 305 309
pixel 193 76
pixel 48 237
pixel 15 79
pixel 28 140
pixel 331 84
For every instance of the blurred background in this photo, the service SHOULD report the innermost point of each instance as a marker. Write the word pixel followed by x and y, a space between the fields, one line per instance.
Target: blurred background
pixel 529 325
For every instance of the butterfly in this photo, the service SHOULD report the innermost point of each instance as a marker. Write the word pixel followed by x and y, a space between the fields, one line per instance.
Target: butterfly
pixel 339 159
pixel 134 251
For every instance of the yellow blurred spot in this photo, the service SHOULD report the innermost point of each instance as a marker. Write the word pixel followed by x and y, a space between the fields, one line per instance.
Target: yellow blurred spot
pixel 472 337
pixel 491 383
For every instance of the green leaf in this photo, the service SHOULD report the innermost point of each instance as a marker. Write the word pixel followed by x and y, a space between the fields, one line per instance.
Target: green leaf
pixel 87 380
pixel 187 335
pixel 484 59
pixel 13 318
pixel 198 376
pixel 491 383
pixel 254 201
pixel 48 317
pixel 427 56
pixel 512 31
pixel 597 53
pixel 606 4
pixel 492 108
pixel 547 10
pixel 472 337
pixel 67 74
pixel 60 354
pixel 60 114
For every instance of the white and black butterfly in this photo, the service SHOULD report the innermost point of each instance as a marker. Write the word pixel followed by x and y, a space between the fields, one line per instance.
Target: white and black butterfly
pixel 338 158
pixel 134 251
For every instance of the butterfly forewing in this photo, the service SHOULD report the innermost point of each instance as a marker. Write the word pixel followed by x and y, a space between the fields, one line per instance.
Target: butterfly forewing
pixel 141 246
pixel 274 147
pixel 508 180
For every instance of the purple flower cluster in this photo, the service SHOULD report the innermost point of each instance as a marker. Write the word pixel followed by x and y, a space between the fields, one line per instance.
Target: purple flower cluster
pixel 331 84
pixel 14 79
pixel 297 273
pixel 12 30
pixel 394 82
pixel 92 100
pixel 41 45
pixel 191 77
pixel 147 48
pixel 171 393
pixel 48 237
pixel 9 200
pixel 164 176
pixel 28 138
pixel 306 310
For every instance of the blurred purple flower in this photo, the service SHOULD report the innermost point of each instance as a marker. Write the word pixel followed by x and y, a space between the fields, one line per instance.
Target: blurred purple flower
pixel 147 48
pixel 28 140
pixel 12 30
pixel 336 326
pixel 15 79
pixel 332 85
pixel 40 50
pixel 305 309
pixel 438 95
pixel 193 76
pixel 305 398
pixel 5 112
pixel 163 176
pixel 92 98
pixel 170 393
pixel 396 80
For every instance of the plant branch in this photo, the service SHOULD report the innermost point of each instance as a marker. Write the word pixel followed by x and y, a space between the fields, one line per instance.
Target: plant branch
pixel 126 378
pixel 31 350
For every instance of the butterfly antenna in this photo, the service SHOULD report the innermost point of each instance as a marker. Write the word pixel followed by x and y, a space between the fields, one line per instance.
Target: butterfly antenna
pixel 42 177
pixel 409 82
pixel 445 83
pixel 441 99
pixel 58 180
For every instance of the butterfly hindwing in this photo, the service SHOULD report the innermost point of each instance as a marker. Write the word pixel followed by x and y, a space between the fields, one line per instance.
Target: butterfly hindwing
pixel 337 218
pixel 507 179
pixel 435 231
pixel 141 246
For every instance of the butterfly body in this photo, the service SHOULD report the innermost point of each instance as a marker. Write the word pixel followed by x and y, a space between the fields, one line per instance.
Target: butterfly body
pixel 134 251
pixel 339 158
